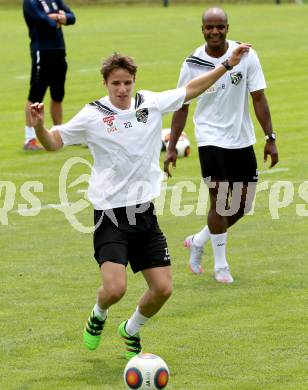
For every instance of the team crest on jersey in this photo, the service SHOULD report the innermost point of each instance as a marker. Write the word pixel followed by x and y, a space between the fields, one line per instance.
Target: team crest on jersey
pixel 236 77
pixel 142 115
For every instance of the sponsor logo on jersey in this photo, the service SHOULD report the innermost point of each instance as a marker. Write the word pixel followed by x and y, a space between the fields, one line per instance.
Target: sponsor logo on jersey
pixel 142 115
pixel 236 77
pixel 211 89
pixel 108 120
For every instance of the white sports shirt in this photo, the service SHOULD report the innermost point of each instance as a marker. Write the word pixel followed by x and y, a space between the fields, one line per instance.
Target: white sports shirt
pixel 222 113
pixel 125 145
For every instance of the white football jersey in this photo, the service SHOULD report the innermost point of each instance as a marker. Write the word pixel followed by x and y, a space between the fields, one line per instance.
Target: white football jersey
pixel 222 113
pixel 125 145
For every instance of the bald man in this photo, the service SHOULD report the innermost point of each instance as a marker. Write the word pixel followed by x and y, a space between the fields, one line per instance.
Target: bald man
pixel 225 137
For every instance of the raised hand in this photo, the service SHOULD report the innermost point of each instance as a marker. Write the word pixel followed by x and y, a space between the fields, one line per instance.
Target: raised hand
pixel 37 114
pixel 238 53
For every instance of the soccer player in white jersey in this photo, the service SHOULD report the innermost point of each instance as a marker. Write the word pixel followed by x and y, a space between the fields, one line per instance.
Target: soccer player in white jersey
pixel 124 137
pixel 225 135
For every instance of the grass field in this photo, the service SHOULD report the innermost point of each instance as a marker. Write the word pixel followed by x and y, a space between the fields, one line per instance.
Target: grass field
pixel 251 335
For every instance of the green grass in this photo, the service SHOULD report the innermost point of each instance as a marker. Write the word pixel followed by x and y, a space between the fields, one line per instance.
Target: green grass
pixel 248 336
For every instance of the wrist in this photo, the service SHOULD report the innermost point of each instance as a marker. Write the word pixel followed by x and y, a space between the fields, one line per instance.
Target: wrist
pixel 227 64
pixel 171 146
pixel 270 137
pixel 39 127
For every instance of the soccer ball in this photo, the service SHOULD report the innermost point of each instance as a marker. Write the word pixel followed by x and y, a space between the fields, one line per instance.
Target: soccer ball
pixel 182 147
pixel 146 371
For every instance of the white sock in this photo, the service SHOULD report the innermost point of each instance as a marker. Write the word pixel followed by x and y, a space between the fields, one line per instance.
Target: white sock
pixel 135 322
pixel 219 242
pixel 98 312
pixel 29 133
pixel 201 238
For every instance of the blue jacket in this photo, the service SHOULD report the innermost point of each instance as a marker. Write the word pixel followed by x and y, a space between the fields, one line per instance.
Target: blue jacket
pixel 43 31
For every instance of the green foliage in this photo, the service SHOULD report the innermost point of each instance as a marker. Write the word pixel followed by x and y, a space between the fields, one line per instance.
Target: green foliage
pixel 247 336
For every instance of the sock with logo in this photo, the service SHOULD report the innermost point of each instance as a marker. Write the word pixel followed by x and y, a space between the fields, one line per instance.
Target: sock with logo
pixel 219 242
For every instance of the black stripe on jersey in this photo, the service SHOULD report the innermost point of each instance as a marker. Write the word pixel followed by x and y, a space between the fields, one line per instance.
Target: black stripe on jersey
pixel 139 99
pixel 199 61
pixel 102 108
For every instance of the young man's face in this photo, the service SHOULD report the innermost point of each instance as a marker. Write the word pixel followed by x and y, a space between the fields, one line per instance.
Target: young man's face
pixel 120 84
pixel 215 29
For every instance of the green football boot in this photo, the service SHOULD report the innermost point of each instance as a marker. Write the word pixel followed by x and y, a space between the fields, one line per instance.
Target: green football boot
pixel 133 346
pixel 93 331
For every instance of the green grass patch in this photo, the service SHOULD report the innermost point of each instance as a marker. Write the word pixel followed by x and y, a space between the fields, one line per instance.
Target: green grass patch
pixel 247 336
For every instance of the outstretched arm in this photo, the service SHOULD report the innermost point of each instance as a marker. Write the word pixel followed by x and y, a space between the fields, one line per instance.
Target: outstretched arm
pixel 263 115
pixel 51 141
pixel 200 84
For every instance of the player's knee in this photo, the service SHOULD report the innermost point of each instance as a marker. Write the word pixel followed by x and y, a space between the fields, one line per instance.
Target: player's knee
pixel 163 291
pixel 116 292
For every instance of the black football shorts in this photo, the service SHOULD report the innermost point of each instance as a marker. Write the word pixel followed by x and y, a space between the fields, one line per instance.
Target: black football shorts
pixel 48 70
pixel 232 165
pixel 123 236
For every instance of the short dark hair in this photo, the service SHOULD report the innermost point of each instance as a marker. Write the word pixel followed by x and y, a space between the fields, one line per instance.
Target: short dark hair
pixel 117 61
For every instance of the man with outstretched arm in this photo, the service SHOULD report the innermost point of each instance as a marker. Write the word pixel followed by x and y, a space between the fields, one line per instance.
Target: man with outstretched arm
pixel 123 135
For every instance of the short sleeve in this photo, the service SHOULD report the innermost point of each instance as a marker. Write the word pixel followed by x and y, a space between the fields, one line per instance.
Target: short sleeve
pixel 185 76
pixel 74 131
pixel 255 76
pixel 171 100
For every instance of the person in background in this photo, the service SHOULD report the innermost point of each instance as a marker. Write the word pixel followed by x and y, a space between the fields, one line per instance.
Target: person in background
pixel 225 136
pixel 45 19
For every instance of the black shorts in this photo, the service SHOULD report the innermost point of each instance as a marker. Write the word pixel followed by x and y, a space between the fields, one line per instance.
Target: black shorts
pixel 48 70
pixel 139 242
pixel 232 165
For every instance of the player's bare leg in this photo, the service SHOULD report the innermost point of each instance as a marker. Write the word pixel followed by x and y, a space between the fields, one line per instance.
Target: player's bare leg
pixel 112 290
pixel 159 281
pixel 219 223
pixel 56 112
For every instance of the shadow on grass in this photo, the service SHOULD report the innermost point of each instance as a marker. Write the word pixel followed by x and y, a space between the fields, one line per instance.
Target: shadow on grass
pixel 96 373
